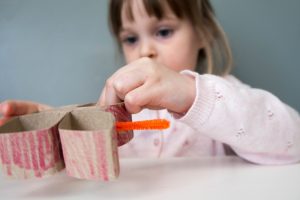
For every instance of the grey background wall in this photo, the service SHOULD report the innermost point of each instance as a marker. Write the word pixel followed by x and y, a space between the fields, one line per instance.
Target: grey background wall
pixel 60 51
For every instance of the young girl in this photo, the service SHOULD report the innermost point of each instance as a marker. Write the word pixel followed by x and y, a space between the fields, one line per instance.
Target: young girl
pixel 211 112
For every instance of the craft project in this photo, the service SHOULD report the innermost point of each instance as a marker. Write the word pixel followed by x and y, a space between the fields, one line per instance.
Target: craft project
pixel 30 145
pixel 84 139
pixel 89 143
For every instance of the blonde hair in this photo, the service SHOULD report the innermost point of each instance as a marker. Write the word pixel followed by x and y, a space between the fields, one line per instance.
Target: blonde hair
pixel 214 58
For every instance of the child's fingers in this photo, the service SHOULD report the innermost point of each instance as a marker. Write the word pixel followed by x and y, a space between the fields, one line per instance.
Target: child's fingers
pixel 142 97
pixel 101 101
pixel 120 84
pixel 3 120
pixel 127 82
pixel 6 108
pixel 14 108
pixel 127 79
pixel 105 101
pixel 111 96
pixel 3 109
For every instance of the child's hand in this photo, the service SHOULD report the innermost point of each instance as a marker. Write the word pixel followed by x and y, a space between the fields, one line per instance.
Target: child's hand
pixel 147 84
pixel 13 108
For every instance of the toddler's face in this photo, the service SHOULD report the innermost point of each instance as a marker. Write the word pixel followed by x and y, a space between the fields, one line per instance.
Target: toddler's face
pixel 171 41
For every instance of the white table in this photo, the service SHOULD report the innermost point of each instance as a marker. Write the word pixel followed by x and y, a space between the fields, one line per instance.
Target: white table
pixel 178 178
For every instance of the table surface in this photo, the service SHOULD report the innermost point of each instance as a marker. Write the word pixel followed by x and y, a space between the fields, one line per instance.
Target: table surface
pixel 176 178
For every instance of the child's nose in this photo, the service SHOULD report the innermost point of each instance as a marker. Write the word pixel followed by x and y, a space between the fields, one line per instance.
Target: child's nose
pixel 147 49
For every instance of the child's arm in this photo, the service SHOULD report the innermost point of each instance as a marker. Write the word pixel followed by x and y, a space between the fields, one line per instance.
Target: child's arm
pixel 12 108
pixel 255 123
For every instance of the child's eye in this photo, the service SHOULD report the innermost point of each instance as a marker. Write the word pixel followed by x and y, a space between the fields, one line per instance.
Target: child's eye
pixel 164 32
pixel 130 40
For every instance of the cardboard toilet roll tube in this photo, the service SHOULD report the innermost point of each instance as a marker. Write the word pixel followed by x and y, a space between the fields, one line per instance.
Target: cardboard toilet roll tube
pixel 30 145
pixel 89 141
pixel 121 115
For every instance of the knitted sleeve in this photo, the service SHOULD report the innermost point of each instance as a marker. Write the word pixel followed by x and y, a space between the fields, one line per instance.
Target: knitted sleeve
pixel 253 122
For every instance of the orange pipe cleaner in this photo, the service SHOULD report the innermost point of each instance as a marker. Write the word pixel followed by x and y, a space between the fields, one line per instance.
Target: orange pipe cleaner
pixel 143 125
